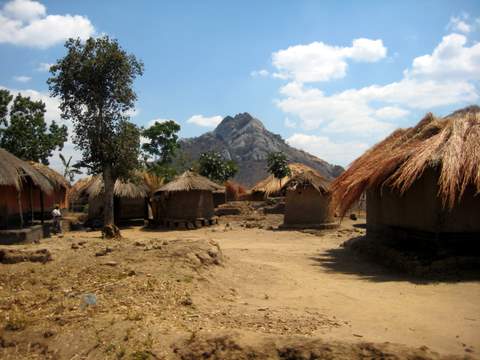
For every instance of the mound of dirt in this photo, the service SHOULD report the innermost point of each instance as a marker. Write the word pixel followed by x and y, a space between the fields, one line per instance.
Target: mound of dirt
pixel 8 256
pixel 235 346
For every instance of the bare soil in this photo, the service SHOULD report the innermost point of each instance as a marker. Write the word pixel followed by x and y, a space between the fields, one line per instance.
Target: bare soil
pixel 239 290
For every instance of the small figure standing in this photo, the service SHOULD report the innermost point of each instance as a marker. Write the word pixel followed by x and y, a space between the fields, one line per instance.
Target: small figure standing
pixel 57 220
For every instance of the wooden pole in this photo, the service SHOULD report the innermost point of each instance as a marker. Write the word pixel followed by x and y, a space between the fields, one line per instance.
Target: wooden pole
pixel 31 203
pixel 42 207
pixel 20 209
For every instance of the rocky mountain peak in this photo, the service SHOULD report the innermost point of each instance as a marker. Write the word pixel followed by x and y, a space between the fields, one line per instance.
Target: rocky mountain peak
pixel 244 139
pixel 240 123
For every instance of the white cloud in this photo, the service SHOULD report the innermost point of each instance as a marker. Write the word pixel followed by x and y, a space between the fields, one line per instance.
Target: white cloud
pixel 259 73
pixel 451 60
pixel 44 67
pixel 132 112
pixel 318 61
pixel 24 10
pixel 22 78
pixel 342 153
pixel 391 112
pixel 205 121
pixel 289 123
pixel 445 77
pixel 460 24
pixel 25 23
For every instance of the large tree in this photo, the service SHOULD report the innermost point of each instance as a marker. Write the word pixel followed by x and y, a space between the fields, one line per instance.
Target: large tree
pixel 277 165
pixel 24 131
pixel 160 148
pixel 94 82
pixel 216 168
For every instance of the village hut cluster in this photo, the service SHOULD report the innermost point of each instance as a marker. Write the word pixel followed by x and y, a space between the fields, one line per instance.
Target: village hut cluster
pixel 422 185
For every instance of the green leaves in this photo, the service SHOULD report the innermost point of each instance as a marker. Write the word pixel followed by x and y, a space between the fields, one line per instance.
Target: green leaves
pixel 94 82
pixel 162 141
pixel 216 168
pixel 70 170
pixel 25 132
pixel 277 165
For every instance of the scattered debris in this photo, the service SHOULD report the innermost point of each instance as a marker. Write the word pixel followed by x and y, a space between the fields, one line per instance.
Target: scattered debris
pixel 8 256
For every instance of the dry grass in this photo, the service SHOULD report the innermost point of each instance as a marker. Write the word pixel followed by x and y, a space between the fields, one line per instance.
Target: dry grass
pixel 57 180
pixel 450 144
pixel 271 185
pixel 189 181
pixel 14 172
pixel 309 179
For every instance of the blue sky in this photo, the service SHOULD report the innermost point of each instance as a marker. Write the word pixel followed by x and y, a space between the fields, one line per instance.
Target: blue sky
pixel 332 77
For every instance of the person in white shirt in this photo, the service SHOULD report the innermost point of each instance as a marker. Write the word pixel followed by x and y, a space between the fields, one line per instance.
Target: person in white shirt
pixel 57 220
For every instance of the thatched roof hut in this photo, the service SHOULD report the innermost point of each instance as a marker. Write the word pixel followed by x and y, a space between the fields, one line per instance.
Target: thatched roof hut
pixel 271 186
pixel 14 172
pixel 60 186
pixel 130 197
pixel 425 178
pixel 20 183
pixel 307 201
pixel 188 198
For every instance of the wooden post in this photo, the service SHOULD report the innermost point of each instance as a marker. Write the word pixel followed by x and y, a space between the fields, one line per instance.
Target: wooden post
pixel 20 209
pixel 31 203
pixel 42 207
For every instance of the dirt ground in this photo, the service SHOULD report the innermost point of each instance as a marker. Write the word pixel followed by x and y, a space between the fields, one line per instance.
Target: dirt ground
pixel 239 290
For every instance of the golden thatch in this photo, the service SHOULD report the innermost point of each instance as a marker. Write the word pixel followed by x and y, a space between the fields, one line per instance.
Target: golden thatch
pixel 190 181
pixel 450 144
pixel 141 185
pixel 309 178
pixel 14 171
pixel 56 180
pixel 271 185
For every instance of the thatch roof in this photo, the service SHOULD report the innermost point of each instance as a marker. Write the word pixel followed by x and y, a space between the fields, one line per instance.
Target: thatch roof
pixel 77 189
pixel 189 181
pixel 272 185
pixel 137 188
pixel 309 179
pixel 13 171
pixel 56 180
pixel 450 144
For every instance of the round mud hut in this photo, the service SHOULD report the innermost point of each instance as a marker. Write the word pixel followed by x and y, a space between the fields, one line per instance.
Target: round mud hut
pixel 307 202
pixel 22 188
pixel 273 187
pixel 60 186
pixel 130 198
pixel 185 202
pixel 422 184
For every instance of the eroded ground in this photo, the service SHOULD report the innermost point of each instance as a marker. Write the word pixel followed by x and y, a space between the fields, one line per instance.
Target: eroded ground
pixel 239 290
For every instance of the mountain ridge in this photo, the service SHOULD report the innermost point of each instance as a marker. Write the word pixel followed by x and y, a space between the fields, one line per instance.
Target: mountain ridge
pixel 244 139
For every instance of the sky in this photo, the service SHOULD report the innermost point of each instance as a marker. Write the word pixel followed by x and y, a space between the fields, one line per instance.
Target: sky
pixel 331 77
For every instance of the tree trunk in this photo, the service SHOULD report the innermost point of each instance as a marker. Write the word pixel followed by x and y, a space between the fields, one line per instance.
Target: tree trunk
pixel 109 228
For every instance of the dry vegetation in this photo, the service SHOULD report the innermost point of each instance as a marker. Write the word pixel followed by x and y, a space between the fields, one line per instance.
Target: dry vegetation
pixel 176 295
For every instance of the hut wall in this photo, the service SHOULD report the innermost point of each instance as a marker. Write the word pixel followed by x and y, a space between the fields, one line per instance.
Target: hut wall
pixel 132 208
pixel 219 198
pixel 307 206
pixel 420 209
pixel 185 205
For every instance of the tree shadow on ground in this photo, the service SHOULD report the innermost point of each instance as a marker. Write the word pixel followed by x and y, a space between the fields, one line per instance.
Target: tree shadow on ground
pixel 345 260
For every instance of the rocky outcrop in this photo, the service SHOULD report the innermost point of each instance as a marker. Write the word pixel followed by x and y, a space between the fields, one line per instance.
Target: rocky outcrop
pixel 245 140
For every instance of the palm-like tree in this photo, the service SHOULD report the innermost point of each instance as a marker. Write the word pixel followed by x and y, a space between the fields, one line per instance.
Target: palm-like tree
pixel 70 170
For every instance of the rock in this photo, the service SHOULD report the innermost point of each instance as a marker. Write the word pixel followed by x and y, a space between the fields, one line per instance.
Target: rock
pixel 111 263
pixel 103 252
pixel 8 256
pixel 353 217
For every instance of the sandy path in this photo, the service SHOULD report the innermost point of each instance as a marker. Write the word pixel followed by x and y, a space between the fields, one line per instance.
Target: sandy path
pixel 294 272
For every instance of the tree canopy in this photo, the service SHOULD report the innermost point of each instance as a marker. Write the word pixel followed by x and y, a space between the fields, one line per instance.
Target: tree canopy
pixel 24 131
pixel 277 165
pixel 94 82
pixel 215 167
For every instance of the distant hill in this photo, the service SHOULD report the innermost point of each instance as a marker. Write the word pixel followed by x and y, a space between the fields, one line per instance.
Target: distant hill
pixel 245 140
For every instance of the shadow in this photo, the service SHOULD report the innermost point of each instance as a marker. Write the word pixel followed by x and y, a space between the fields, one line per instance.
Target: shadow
pixel 346 260
pixel 360 226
